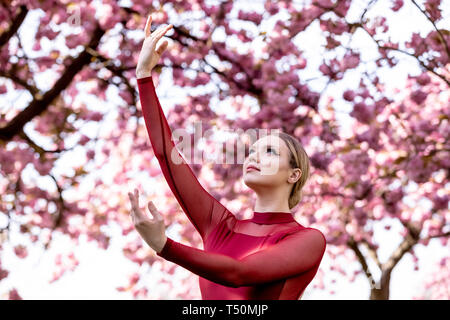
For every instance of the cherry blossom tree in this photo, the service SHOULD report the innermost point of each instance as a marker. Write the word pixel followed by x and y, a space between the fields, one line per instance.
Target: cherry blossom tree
pixel 390 168
pixel 437 285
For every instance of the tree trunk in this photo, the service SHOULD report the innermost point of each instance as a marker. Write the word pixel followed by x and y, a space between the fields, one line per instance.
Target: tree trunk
pixel 379 294
pixel 380 291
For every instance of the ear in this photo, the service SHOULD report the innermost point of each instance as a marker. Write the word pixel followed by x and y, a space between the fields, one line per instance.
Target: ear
pixel 295 175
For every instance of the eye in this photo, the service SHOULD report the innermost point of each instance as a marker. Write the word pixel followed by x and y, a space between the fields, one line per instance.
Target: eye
pixel 268 148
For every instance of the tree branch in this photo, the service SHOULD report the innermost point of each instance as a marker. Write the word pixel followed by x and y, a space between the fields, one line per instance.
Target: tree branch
pixel 383 47
pixel 38 148
pixel 61 206
pixel 411 239
pixel 40 104
pixel 373 253
pixel 435 27
pixel 16 23
pixel 440 235
pixel 32 89
pixel 362 260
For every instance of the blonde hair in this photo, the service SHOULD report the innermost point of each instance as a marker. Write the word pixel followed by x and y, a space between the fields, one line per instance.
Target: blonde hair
pixel 298 159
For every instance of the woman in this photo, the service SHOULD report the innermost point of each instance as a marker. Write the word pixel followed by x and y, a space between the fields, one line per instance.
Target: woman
pixel 270 256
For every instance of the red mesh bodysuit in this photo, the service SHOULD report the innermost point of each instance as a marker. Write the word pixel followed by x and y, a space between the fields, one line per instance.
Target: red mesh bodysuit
pixel 270 256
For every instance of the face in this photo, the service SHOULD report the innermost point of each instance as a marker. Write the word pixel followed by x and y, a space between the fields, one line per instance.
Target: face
pixel 270 155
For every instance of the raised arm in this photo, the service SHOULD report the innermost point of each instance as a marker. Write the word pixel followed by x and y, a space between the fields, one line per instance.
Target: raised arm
pixel 202 209
pixel 294 254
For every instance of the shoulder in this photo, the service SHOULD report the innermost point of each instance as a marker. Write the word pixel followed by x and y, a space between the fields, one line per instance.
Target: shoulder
pixel 317 236
pixel 311 236
pixel 306 240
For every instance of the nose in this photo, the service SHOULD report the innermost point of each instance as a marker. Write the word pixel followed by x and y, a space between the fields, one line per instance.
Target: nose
pixel 253 157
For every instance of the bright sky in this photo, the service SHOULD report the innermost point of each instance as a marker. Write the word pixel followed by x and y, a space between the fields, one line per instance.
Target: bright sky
pixel 100 271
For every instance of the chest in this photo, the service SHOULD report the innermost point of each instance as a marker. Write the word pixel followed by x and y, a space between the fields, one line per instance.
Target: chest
pixel 234 242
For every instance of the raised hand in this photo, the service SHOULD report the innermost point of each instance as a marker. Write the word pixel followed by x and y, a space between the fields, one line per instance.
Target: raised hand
pixel 151 230
pixel 149 57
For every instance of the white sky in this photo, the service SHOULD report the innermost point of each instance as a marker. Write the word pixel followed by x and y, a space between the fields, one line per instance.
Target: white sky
pixel 100 271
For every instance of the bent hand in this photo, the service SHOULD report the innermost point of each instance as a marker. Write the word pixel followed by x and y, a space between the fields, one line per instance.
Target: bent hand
pixel 151 230
pixel 149 57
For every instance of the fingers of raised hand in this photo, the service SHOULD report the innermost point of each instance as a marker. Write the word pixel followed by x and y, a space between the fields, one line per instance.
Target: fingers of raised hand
pixel 131 196
pixel 162 47
pixel 134 199
pixel 148 25
pixel 135 195
pixel 161 31
pixel 155 213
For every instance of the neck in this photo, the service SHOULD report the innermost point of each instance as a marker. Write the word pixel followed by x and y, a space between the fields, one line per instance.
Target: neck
pixel 271 201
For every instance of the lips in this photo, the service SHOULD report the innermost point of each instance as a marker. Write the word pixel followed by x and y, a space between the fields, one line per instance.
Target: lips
pixel 252 167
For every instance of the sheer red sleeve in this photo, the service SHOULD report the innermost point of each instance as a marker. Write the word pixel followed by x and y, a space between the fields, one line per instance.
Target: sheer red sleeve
pixel 202 209
pixel 294 254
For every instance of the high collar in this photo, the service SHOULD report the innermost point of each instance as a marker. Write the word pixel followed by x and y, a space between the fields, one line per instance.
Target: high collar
pixel 272 217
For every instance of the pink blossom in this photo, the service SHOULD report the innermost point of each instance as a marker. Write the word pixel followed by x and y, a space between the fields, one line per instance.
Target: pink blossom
pixel 109 15
pixel 271 7
pixel 42 166
pixel 74 40
pixel 201 79
pixel 3 273
pixel 21 251
pixel 14 295
pixel 125 95
pixel 93 116
pixel 227 6
pixel 362 112
pixel 349 95
pixel 418 96
pixel 332 42
pixel 417 43
pixel 394 196
pixel 440 203
pixel 134 278
pixel 323 3
pixel 250 16
pixel 334 26
pixel 36 46
pixel 417 170
pixel 58 17
pixel 83 140
pixel 357 163
pixel 325 69
pixel 350 61
pixel 321 161
pixel 360 215
pixel 44 62
pixel 371 136
pixel 423 79
pixel 432 7
pixel 90 154
pixel 341 7
pixel 49 33
pixel 434 41
pixel 209 11
pixel 397 5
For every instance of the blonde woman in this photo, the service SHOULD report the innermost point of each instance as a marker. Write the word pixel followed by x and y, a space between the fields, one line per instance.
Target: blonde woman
pixel 271 255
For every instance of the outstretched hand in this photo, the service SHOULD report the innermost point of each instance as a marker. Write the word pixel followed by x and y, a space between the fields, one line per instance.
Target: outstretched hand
pixel 149 57
pixel 151 230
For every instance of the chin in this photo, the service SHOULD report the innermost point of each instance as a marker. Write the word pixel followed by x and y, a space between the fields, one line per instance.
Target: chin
pixel 254 181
